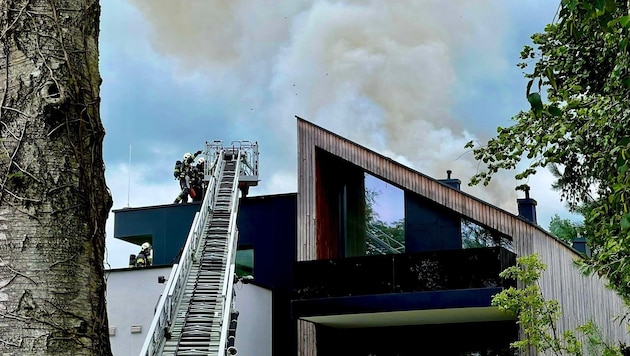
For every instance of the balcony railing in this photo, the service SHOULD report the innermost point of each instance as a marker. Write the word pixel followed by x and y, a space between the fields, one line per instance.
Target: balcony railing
pixel 402 273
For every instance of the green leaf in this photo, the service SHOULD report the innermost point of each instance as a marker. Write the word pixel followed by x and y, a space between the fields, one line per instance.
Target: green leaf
pixel 623 45
pixel 625 222
pixel 613 22
pixel 626 82
pixel 600 4
pixel 554 110
pixel 536 102
pixel 620 160
pixel 17 174
pixel 550 76
pixel 529 86
pixel 624 20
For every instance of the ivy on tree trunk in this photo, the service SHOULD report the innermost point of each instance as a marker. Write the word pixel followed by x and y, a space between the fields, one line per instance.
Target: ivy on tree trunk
pixel 53 197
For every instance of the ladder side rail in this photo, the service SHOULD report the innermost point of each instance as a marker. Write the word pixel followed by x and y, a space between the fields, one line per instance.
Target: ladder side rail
pixel 212 155
pixel 228 283
pixel 210 197
pixel 174 289
pixel 176 285
pixel 227 309
pixel 379 244
pixel 254 158
pixel 395 245
pixel 374 238
pixel 160 321
pixel 215 180
pixel 249 156
pixel 232 228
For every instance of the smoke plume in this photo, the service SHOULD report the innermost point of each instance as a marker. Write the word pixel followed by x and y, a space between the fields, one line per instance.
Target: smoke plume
pixel 382 73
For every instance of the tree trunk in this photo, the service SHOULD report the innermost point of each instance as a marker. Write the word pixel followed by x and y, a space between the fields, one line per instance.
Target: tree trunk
pixel 53 197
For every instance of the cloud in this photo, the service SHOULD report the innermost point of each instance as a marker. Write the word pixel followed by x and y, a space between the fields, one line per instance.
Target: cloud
pixel 132 188
pixel 414 79
pixel 381 74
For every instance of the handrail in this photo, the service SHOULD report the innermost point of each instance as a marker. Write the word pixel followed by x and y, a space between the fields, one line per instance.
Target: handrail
pixel 247 150
pixel 228 282
pixel 167 306
pixel 384 240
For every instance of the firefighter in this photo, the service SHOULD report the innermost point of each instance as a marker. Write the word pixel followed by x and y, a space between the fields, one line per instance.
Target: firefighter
pixel 197 180
pixel 144 258
pixel 182 172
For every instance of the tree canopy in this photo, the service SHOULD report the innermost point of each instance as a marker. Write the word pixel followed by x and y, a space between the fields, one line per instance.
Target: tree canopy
pixel 578 89
pixel 564 229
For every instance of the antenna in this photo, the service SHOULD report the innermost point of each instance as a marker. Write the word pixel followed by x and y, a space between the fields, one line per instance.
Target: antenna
pixel 129 177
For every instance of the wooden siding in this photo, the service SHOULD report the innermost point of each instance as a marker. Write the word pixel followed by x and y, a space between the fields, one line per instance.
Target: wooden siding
pixel 582 298
pixel 307 342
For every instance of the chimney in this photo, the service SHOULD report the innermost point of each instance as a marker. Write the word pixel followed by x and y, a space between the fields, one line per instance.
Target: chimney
pixel 580 245
pixel 453 183
pixel 527 207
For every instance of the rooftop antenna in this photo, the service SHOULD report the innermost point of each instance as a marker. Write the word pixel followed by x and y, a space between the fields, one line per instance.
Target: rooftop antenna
pixel 129 177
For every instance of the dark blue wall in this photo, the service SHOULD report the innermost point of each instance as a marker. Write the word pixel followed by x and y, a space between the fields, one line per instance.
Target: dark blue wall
pixel 164 226
pixel 429 226
pixel 268 224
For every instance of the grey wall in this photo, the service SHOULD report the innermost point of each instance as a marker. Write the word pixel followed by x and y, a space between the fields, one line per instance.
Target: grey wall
pixel 254 331
pixel 132 295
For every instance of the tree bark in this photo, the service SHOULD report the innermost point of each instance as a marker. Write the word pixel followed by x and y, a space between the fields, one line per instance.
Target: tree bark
pixel 53 197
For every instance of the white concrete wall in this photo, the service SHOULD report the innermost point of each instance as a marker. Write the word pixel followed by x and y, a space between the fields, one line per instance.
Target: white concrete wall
pixel 253 332
pixel 132 296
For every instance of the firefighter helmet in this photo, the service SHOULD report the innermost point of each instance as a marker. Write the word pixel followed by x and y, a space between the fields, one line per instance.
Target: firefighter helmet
pixel 201 160
pixel 146 246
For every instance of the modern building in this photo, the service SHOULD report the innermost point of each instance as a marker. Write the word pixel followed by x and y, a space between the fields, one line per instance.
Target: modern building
pixel 325 282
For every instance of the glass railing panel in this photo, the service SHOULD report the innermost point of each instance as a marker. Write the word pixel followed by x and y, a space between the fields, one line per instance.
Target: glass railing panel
pixel 400 273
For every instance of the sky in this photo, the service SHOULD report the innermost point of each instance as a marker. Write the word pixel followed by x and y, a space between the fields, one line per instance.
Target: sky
pixel 414 80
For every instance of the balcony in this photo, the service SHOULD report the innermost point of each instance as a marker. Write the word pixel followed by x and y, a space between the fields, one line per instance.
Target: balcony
pixel 388 290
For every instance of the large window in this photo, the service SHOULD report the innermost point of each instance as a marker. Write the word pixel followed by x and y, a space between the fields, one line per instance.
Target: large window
pixel 475 236
pixel 385 221
pixel 245 262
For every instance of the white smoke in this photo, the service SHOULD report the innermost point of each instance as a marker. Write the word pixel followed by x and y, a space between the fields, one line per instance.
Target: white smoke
pixel 381 73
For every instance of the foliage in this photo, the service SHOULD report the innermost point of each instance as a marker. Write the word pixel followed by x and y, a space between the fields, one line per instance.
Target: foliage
pixel 475 236
pixel 538 317
pixel 395 230
pixel 392 234
pixel 370 200
pixel 578 90
pixel 565 229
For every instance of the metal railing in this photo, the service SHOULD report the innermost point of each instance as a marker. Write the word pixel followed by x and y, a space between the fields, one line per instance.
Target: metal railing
pixel 248 156
pixel 175 286
pixel 230 263
pixel 382 242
